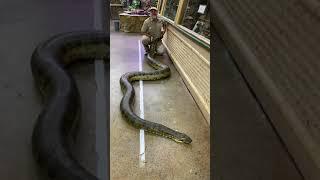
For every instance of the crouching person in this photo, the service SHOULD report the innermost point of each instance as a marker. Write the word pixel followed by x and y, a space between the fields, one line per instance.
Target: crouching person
pixel 153 30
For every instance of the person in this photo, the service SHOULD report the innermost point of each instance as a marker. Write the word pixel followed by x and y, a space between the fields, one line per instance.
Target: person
pixel 153 28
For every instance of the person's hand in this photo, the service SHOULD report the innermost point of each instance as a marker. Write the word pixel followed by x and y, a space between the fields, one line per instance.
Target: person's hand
pixel 147 34
pixel 162 32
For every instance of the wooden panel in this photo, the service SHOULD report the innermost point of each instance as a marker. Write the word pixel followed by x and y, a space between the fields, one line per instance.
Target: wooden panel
pixel 199 49
pixel 193 66
pixel 276 44
pixel 131 23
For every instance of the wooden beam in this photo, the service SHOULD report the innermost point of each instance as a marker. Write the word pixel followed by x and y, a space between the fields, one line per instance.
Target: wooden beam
pixel 158 5
pixel 163 7
pixel 112 5
pixel 180 11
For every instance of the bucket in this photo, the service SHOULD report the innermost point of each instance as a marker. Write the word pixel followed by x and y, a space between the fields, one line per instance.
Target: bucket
pixel 116 26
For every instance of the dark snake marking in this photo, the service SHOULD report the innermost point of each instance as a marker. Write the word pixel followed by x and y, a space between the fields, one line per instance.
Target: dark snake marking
pixel 161 71
pixel 62 99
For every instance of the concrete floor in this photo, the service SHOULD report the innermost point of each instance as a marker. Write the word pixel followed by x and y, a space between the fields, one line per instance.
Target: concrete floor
pixel 23 24
pixel 168 102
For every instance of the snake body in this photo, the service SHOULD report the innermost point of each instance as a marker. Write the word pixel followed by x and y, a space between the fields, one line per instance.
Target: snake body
pixel 62 100
pixel 161 71
pixel 49 62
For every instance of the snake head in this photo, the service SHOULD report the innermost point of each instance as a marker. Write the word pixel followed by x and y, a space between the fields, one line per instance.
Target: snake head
pixel 183 138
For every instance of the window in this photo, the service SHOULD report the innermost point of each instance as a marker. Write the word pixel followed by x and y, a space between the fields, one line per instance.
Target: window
pixel 170 9
pixel 154 3
pixel 197 17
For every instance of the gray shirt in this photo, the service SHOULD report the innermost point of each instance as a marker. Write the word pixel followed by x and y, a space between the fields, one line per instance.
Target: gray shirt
pixel 153 26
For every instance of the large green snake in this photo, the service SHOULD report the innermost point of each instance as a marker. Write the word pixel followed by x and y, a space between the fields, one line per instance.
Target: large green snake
pixel 62 99
pixel 126 80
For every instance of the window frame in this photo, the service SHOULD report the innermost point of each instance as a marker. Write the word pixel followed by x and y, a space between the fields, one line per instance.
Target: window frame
pixel 182 5
pixel 163 9
pixel 160 5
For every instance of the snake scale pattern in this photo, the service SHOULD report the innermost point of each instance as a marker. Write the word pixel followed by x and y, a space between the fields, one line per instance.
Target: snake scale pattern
pixel 59 117
pixel 62 99
pixel 161 71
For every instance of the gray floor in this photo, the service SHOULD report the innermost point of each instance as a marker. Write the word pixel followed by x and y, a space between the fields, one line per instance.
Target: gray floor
pixel 23 24
pixel 165 101
pixel 245 146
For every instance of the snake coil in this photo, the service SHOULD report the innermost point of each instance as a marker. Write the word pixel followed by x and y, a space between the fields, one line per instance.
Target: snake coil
pixel 62 100
pixel 161 71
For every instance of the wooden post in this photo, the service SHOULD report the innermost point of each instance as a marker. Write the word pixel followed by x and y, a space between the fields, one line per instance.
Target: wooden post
pixel 163 7
pixel 180 11
pixel 158 5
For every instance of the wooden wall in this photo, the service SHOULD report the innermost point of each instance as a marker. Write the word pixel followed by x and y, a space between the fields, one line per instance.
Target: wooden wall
pixel 193 63
pixel 276 44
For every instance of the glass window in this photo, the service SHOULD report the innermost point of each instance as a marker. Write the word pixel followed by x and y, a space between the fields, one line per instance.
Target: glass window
pixel 197 17
pixel 170 9
pixel 154 3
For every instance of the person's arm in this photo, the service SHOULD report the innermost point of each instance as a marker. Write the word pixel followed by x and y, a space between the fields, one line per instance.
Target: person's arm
pixel 147 34
pixel 144 28
pixel 164 26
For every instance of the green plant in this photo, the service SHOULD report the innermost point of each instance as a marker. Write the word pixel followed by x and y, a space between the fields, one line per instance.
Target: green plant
pixel 154 3
pixel 135 4
pixel 123 2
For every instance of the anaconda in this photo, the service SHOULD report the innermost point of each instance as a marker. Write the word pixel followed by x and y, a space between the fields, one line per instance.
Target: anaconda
pixel 62 100
pixel 161 71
